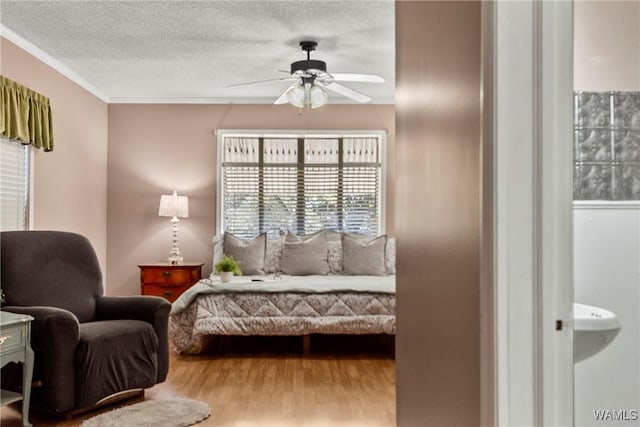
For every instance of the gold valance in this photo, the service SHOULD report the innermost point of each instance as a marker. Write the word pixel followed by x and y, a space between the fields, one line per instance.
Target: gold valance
pixel 26 115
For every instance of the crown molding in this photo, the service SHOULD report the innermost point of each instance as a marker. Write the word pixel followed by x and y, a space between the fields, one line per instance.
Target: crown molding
pixel 32 49
pixel 227 101
pixel 160 100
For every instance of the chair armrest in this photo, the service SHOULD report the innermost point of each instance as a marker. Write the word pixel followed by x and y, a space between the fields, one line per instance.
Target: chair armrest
pixel 55 334
pixel 153 310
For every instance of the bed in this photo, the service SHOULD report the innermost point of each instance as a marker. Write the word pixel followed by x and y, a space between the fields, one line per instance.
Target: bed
pixel 277 304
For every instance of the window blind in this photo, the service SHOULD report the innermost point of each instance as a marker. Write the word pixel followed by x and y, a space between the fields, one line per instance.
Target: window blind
pixel 303 185
pixel 14 185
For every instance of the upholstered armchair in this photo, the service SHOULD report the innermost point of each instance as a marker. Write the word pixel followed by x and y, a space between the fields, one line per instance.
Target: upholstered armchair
pixel 88 347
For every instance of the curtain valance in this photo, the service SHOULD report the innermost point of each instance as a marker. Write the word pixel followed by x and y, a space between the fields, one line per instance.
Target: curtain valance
pixel 26 115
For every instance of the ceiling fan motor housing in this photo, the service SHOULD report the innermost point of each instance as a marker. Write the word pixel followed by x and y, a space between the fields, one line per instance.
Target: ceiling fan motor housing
pixel 308 64
pixel 308 45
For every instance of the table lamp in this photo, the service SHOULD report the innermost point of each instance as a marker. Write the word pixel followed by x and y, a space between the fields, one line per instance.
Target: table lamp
pixel 174 206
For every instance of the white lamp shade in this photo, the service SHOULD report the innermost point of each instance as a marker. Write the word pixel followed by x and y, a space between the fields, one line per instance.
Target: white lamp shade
pixel 174 205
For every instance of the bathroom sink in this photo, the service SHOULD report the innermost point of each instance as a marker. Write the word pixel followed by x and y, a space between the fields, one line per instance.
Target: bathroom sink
pixel 594 328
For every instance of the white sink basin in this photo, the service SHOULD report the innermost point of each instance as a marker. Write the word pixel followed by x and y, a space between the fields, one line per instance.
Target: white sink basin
pixel 594 328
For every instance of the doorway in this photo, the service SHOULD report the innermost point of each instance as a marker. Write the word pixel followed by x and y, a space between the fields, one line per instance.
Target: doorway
pixel 606 209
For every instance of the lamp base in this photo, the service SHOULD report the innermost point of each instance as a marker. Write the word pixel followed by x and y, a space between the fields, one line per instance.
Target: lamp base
pixel 175 259
pixel 174 254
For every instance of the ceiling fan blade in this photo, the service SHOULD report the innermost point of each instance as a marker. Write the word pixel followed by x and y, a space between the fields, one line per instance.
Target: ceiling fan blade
pixel 281 79
pixel 348 92
pixel 356 77
pixel 282 99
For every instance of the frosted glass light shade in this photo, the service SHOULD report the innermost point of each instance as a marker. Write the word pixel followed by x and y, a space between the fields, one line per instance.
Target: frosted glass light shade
pixel 295 96
pixel 174 206
pixel 311 95
pixel 318 97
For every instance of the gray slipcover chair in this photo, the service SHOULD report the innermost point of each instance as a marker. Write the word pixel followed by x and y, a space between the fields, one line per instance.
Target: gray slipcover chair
pixel 87 346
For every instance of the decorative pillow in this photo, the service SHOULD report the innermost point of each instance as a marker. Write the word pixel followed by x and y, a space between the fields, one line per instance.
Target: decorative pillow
pixel 273 256
pixel 362 256
pixel 334 236
pixel 305 255
pixel 390 255
pixel 335 256
pixel 217 250
pixel 248 253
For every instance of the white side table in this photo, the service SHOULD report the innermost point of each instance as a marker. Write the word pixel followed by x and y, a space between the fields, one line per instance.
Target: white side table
pixel 15 346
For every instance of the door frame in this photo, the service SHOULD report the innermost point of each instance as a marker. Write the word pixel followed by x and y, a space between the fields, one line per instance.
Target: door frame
pixel 531 93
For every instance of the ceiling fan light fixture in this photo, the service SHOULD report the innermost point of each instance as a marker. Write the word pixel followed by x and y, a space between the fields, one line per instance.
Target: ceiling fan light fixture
pixel 296 96
pixel 318 97
pixel 312 82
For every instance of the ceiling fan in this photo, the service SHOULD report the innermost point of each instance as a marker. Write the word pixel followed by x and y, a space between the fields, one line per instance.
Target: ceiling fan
pixel 311 81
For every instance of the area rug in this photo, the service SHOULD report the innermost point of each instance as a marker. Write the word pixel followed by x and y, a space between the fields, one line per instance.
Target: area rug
pixel 153 413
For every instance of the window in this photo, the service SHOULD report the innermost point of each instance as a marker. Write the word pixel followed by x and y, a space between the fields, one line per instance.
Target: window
pixel 606 146
pixel 14 185
pixel 271 183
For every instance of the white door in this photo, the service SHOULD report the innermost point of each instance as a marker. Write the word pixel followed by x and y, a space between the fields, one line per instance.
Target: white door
pixel 533 218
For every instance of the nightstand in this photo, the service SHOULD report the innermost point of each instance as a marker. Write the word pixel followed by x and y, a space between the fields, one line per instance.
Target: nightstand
pixel 15 346
pixel 168 280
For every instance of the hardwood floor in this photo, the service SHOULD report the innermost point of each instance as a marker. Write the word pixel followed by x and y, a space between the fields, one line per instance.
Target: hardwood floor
pixel 345 381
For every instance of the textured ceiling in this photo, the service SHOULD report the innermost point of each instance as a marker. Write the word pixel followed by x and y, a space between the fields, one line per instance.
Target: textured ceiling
pixel 163 50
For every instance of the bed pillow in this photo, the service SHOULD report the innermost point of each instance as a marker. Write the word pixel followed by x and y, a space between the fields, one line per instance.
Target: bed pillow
pixel 335 256
pixel 249 253
pixel 217 249
pixel 273 255
pixel 390 255
pixel 363 256
pixel 305 255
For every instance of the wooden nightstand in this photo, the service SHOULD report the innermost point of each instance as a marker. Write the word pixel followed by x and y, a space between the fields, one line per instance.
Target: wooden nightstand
pixel 167 280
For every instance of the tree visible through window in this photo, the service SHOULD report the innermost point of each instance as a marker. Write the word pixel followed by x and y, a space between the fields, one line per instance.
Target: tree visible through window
pixel 273 184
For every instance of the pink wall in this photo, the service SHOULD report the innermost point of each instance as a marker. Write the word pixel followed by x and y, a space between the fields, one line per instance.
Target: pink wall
pixel 70 183
pixel 607 45
pixel 155 149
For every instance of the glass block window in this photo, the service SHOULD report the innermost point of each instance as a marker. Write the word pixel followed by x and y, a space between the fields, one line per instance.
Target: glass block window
pixel 301 183
pixel 606 146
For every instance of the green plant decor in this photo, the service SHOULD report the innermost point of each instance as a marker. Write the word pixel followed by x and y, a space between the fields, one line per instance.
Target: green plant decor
pixel 226 264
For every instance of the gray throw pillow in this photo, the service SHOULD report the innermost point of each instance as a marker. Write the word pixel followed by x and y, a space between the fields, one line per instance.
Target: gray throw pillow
pixel 248 253
pixel 362 256
pixel 305 255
